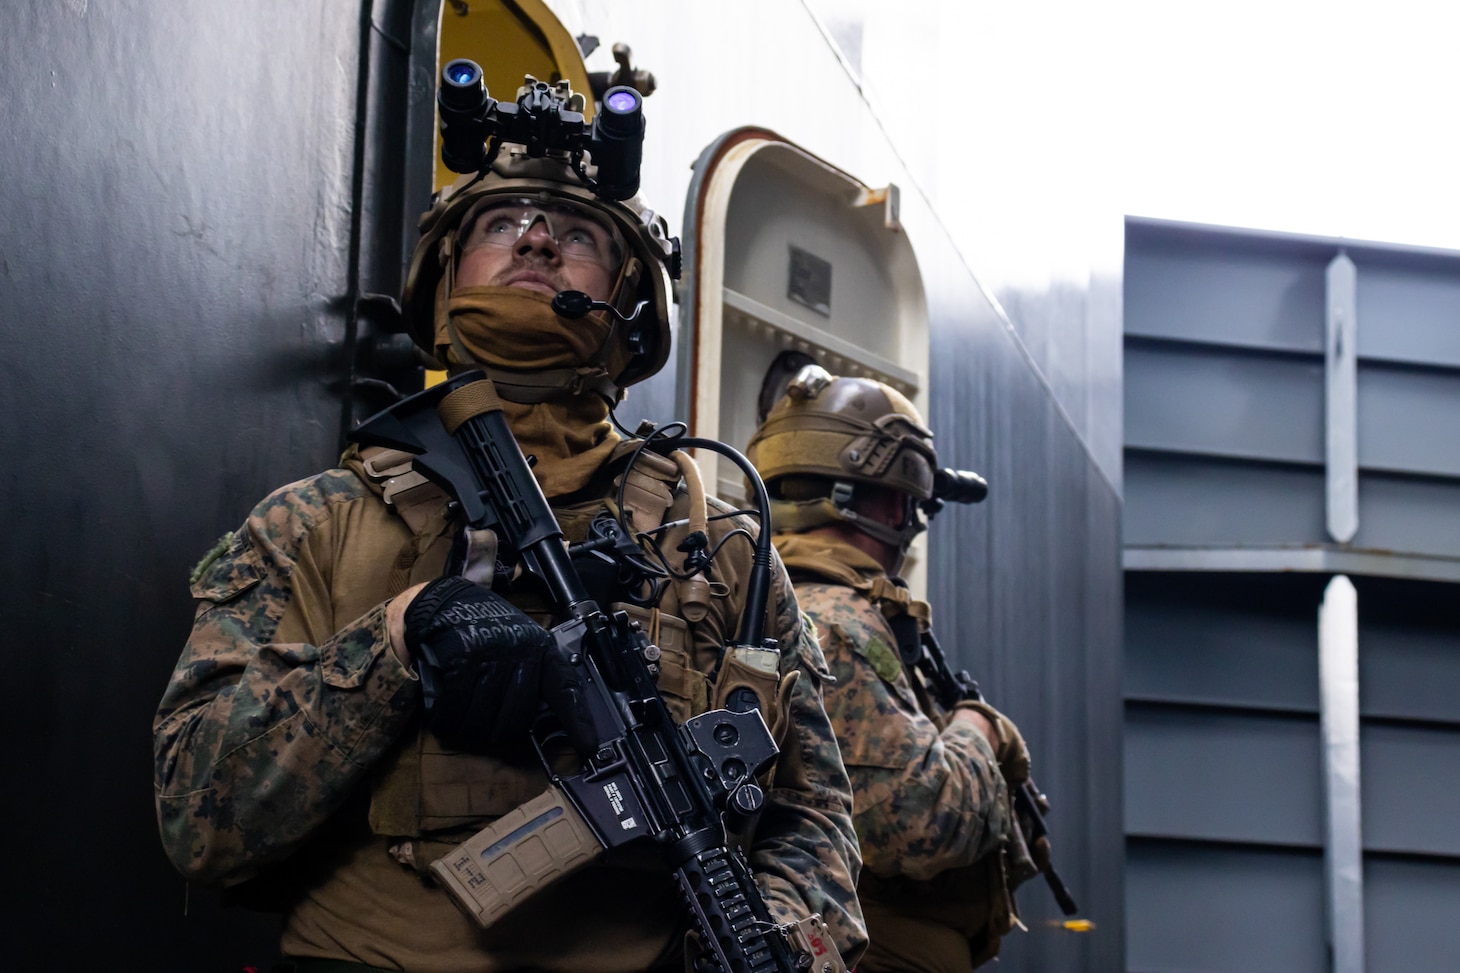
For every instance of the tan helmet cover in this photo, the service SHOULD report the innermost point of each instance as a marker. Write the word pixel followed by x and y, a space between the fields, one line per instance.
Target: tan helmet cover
pixel 854 430
pixel 645 273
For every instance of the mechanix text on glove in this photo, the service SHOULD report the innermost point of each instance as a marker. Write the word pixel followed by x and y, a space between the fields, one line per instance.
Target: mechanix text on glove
pixel 480 661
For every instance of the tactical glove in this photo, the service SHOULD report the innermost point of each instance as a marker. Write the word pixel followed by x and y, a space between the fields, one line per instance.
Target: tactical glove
pixel 1010 751
pixel 480 660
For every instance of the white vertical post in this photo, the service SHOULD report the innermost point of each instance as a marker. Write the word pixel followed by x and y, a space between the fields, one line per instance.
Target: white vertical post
pixel 1343 857
pixel 1341 399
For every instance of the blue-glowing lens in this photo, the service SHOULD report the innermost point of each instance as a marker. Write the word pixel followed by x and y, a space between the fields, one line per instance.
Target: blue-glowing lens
pixel 462 74
pixel 622 101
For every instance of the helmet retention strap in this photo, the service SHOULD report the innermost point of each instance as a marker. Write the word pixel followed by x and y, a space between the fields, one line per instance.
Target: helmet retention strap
pixel 448 284
pixel 796 516
pixel 900 538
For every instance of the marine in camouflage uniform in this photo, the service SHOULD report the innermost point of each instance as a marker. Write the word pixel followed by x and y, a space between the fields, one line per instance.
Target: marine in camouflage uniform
pixel 846 460
pixel 293 761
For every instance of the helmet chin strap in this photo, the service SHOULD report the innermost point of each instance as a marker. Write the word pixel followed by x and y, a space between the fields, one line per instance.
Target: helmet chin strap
pixel 800 515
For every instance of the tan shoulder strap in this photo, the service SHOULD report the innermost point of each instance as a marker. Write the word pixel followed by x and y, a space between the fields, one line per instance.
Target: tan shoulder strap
pixel 893 599
pixel 414 498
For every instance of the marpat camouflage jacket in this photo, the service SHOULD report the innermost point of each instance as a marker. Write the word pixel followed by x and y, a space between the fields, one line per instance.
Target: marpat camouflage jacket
pixel 287 699
pixel 929 796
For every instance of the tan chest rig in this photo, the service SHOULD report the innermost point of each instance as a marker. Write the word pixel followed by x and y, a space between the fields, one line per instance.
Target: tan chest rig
pixel 426 795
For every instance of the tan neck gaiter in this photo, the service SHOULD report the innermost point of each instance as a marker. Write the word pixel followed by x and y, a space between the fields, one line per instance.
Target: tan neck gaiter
pixel 517 330
pixel 571 439
pixel 509 327
pixel 832 558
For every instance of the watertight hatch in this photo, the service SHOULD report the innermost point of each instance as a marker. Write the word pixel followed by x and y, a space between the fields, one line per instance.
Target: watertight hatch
pixel 789 252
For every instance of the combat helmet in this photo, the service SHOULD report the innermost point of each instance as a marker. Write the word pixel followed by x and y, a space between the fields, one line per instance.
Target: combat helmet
pixel 828 434
pixel 652 258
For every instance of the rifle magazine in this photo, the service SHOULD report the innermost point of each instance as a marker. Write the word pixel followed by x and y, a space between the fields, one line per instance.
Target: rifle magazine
pixel 521 852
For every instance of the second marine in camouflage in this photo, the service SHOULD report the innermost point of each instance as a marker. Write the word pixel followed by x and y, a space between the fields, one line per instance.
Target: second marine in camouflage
pixel 847 461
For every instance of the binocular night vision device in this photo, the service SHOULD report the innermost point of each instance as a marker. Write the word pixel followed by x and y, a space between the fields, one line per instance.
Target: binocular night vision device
pixel 545 118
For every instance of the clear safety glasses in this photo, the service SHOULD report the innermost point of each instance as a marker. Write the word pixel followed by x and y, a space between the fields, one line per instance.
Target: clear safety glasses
pixel 580 234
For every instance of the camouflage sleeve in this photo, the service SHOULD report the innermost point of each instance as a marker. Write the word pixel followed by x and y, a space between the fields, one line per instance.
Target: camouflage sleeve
pixel 257 741
pixel 805 852
pixel 927 801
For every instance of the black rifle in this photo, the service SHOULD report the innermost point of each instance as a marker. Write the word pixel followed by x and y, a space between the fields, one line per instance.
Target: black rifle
pixel 952 688
pixel 642 777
